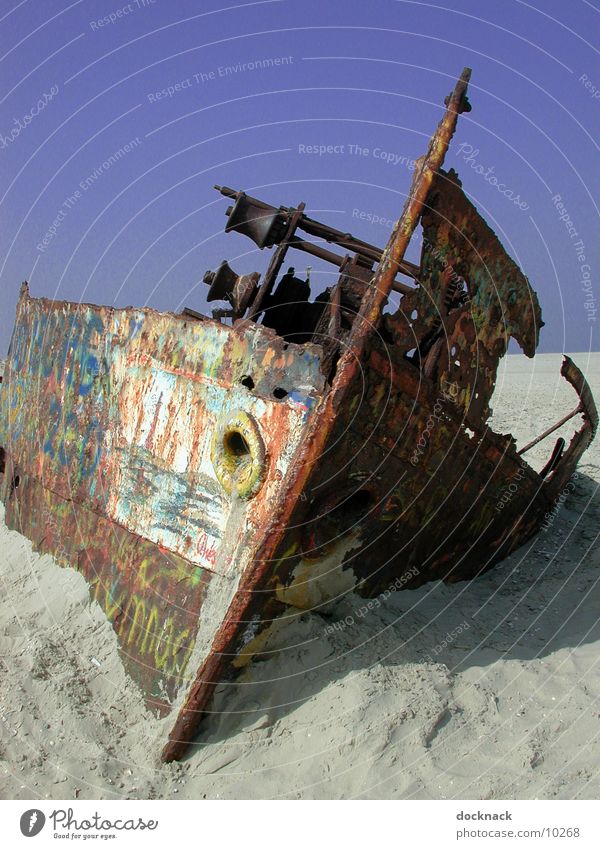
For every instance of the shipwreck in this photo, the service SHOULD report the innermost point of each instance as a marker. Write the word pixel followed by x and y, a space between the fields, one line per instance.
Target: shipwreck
pixel 208 474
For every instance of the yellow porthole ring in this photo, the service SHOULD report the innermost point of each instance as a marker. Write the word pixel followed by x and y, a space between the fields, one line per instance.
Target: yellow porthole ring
pixel 238 455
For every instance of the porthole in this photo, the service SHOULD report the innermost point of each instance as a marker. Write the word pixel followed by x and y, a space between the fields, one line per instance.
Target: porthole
pixel 238 455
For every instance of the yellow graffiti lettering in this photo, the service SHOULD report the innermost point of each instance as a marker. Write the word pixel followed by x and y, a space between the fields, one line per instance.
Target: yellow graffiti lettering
pixel 143 577
pixel 109 606
pixel 178 644
pixel 160 660
pixel 135 628
pixel 150 632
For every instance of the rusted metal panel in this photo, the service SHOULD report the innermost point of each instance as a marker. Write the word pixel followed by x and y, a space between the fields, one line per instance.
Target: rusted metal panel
pixel 107 423
pixel 444 519
pixel 471 300
pixel 272 554
pixel 152 597
pixel 206 477
pixel 581 440
pixel 128 400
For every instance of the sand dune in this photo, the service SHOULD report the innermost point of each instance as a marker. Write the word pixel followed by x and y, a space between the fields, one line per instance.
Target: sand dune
pixel 488 689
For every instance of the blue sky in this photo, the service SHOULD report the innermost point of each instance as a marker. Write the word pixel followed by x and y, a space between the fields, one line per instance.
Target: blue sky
pixel 117 118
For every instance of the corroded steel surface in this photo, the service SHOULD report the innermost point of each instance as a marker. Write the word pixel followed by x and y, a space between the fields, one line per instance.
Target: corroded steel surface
pixel 273 554
pixel 435 515
pixel 206 478
pixel 107 418
pixel 152 597
pixel 472 299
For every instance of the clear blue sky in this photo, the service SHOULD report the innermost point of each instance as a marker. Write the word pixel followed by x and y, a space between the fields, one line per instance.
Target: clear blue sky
pixel 76 90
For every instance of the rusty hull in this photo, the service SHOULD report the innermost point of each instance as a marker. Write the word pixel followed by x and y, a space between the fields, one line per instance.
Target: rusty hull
pixel 413 524
pixel 367 462
pixel 107 418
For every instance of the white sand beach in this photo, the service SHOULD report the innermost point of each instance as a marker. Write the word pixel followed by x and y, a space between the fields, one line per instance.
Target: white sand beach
pixel 487 689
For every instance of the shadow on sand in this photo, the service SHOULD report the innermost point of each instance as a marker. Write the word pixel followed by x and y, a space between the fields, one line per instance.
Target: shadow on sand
pixel 543 598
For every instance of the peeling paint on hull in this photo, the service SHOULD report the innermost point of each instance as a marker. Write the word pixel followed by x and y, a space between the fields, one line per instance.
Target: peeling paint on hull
pixel 111 447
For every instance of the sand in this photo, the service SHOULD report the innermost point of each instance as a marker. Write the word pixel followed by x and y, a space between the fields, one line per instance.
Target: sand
pixel 484 690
